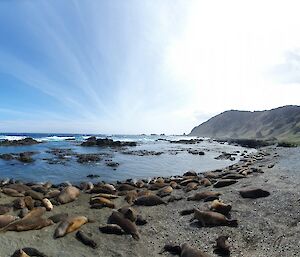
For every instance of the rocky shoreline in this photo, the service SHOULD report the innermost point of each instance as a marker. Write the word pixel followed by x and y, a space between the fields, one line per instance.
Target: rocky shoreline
pixel 148 215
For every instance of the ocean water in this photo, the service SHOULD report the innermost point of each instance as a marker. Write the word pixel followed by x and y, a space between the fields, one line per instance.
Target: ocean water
pixel 174 160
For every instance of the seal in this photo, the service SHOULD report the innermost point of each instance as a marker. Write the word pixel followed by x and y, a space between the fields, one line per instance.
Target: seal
pixel 82 237
pixel 191 186
pixel 129 213
pixel 220 207
pixel 125 187
pixel 202 195
pixel 222 247
pixel 171 248
pixel 140 221
pixel 12 192
pixel 29 251
pixel 27 223
pixel 52 194
pixel 188 251
pixel 101 200
pixel 29 202
pixel 76 223
pixel 68 194
pixel 4 208
pixel 128 226
pixel 35 195
pixel 23 212
pixel 107 196
pixel 48 205
pixel 59 217
pixel 112 229
pixel 211 218
pixel 131 196
pixel 19 203
pixel 150 200
pixel 61 229
pixel 206 182
pixel 20 253
pixel 6 219
pixel 254 193
pixel 165 191
pixel 224 183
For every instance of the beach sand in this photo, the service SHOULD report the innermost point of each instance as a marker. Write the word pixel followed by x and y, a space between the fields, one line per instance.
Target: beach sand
pixel 266 226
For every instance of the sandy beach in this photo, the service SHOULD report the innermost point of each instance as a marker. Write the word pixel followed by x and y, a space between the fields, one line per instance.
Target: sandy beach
pixel 267 226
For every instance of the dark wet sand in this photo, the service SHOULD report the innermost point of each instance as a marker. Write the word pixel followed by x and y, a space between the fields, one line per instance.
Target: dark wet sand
pixel 267 226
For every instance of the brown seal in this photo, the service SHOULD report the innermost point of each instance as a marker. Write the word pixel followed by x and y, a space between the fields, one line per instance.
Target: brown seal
pixel 191 186
pixel 12 192
pixel 35 195
pixel 149 200
pixel 254 193
pixel 27 223
pixel 202 195
pixel 29 202
pixel 68 194
pixel 129 213
pixel 104 201
pixel 19 203
pixel 205 181
pixel 220 207
pixel 76 223
pixel 131 196
pixel 128 226
pixel 165 191
pixel 211 218
pixel 6 219
pixel 188 251
pixel 107 196
pixel 52 194
pixel 4 208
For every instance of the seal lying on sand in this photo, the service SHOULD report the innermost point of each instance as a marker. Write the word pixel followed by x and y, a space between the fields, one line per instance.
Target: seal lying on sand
pixel 202 195
pixel 6 219
pixel 254 193
pixel 82 237
pixel 150 200
pixel 68 194
pixel 188 251
pixel 220 207
pixel 69 225
pixel 222 247
pixel 211 218
pixel 112 229
pixel 28 251
pixel 128 226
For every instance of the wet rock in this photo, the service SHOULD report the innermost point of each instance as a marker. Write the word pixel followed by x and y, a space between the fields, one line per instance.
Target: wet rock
pixel 93 141
pixel 25 141
pixel 6 157
pixel 142 153
pixel 86 158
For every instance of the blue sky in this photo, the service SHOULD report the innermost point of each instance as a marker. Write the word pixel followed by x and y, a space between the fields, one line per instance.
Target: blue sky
pixel 142 66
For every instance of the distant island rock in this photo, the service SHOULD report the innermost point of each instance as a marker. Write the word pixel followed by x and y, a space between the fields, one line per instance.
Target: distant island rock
pixel 25 141
pixel 93 141
pixel 280 124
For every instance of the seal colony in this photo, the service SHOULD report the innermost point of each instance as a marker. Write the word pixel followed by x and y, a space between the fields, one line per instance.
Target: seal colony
pixel 192 215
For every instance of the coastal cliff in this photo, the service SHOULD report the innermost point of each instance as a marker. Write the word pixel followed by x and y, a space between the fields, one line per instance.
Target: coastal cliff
pixel 280 124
